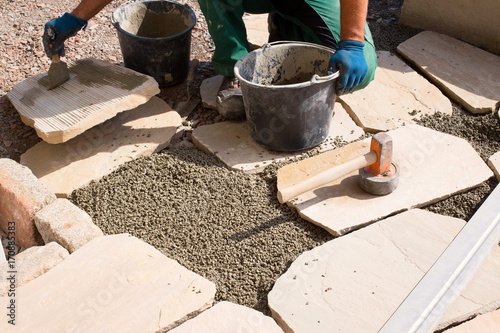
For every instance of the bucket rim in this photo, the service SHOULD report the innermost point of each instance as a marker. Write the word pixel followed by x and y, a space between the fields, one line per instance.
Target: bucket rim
pixel 314 80
pixel 116 24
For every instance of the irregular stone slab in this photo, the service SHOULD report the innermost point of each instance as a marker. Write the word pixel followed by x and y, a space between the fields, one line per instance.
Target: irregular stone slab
pixel 112 284
pixel 257 29
pixel 232 144
pixel 208 91
pixel 102 149
pixel 96 91
pixel 470 21
pixel 229 317
pixel 433 166
pixel 397 96
pixel 494 163
pixel 30 264
pixel 21 196
pixel 354 283
pixel 65 223
pixel 487 323
pixel 465 73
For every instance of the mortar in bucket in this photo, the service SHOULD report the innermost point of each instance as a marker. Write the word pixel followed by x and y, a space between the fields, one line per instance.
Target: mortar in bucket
pixel 288 94
pixel 155 38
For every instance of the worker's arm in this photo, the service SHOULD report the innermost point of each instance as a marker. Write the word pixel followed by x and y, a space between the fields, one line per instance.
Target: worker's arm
pixel 57 31
pixel 349 57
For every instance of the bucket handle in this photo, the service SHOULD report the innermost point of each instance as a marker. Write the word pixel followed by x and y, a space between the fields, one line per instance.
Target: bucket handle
pixel 316 78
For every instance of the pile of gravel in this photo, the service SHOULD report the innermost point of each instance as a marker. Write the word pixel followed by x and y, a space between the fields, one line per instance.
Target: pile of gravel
pixel 224 225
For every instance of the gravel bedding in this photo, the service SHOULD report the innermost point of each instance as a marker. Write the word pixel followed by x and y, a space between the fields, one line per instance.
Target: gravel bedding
pixel 224 225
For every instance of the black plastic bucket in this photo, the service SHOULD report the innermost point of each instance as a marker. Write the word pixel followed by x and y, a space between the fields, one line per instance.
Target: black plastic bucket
pixel 155 38
pixel 288 94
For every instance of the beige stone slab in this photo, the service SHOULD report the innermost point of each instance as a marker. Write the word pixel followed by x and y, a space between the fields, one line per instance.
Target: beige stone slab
pixel 96 91
pixel 102 149
pixel 226 317
pixel 232 144
pixel 494 163
pixel 354 283
pixel 465 73
pixel 208 91
pixel 397 96
pixel 470 21
pixel 433 166
pixel 487 323
pixel 112 284
pixel 257 29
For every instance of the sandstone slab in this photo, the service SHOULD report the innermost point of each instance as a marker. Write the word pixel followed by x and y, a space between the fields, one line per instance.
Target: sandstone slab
pixel 354 283
pixel 397 96
pixel 21 196
pixel 228 317
pixel 433 166
pixel 65 223
pixel 102 149
pixel 257 29
pixel 486 323
pixel 494 163
pixel 232 144
pixel 112 284
pixel 30 264
pixel 96 91
pixel 208 91
pixel 470 21
pixel 464 72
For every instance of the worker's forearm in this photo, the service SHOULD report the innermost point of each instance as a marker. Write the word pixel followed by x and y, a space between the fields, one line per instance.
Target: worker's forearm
pixel 89 8
pixel 352 19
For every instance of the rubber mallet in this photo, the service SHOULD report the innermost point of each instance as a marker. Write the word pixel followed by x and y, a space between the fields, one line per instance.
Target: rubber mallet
pixel 377 173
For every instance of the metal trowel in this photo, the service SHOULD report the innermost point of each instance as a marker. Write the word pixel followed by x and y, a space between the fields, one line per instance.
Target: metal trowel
pixel 58 72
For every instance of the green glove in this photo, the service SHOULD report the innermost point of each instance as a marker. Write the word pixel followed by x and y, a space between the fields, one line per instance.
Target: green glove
pixel 58 30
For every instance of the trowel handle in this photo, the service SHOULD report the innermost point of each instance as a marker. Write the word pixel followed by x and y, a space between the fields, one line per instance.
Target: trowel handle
pixel 191 76
pixel 326 176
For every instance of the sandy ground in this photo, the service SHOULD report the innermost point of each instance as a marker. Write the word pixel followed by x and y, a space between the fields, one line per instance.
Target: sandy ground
pixel 224 225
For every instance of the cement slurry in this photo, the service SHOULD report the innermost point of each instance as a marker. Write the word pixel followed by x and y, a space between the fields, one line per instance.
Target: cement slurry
pixel 225 225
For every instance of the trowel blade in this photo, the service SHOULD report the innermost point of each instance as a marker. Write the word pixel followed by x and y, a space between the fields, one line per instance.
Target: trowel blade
pixel 58 74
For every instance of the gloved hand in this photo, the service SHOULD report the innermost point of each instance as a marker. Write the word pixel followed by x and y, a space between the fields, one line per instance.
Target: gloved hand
pixel 350 60
pixel 58 30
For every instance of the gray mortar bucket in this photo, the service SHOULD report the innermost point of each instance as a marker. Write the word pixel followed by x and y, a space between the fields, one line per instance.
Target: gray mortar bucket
pixel 155 38
pixel 288 94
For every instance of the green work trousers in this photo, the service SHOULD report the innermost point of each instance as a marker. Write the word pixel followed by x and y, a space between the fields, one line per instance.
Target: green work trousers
pixel 225 24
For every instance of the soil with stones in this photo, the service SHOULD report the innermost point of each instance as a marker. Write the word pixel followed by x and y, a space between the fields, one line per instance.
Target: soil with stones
pixel 224 225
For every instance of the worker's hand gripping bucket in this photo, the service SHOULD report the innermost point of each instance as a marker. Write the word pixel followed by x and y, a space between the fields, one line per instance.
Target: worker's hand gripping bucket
pixel 288 93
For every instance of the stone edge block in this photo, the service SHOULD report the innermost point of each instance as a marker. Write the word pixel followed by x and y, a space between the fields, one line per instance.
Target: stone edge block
pixel 67 224
pixel 494 164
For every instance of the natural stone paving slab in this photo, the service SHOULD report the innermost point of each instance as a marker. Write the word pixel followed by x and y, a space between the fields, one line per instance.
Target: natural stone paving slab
pixel 354 283
pixel 65 223
pixel 208 91
pixel 486 323
pixel 470 21
pixel 102 149
pixel 257 29
pixel 96 91
pixel 433 166
pixel 397 96
pixel 465 73
pixel 21 196
pixel 112 284
pixel 226 317
pixel 30 264
pixel 494 163
pixel 232 144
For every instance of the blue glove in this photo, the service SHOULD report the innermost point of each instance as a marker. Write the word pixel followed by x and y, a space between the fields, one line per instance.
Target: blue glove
pixel 350 60
pixel 58 30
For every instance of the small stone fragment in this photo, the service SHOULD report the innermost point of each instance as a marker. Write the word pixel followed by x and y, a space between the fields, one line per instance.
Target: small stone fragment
pixel 30 264
pixel 65 223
